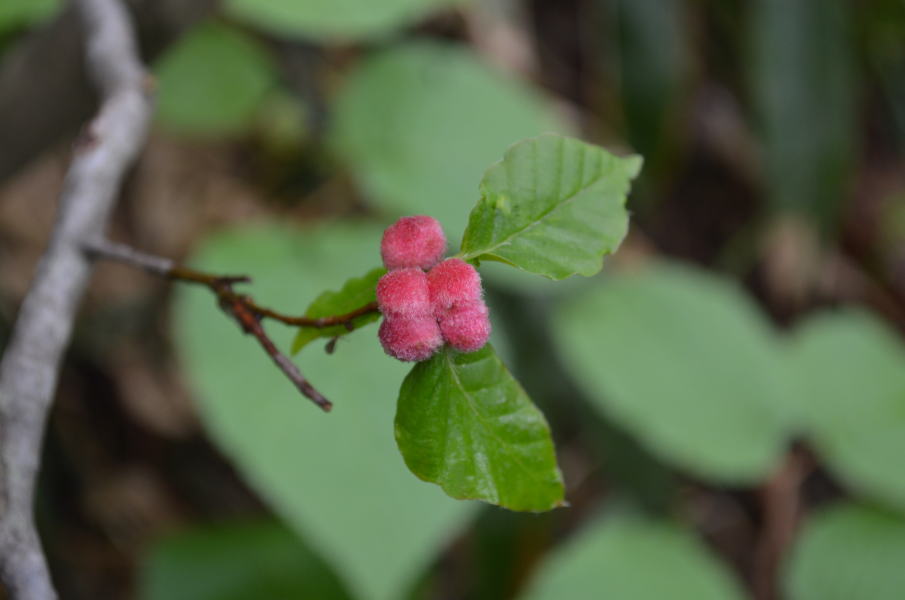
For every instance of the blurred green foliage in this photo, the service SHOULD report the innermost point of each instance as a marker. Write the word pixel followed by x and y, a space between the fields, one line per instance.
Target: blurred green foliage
pixel 213 81
pixel 237 561
pixel 853 400
pixel 633 558
pixel 649 41
pixel 802 84
pixel 683 361
pixel 419 124
pixel 19 14
pixel 846 552
pixel 332 19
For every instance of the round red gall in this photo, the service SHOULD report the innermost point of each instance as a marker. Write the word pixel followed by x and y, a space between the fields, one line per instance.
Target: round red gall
pixel 410 339
pixel 451 282
pixel 466 326
pixel 416 241
pixel 404 293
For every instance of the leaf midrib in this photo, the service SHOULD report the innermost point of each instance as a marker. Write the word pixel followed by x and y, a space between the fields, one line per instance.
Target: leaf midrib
pixel 472 404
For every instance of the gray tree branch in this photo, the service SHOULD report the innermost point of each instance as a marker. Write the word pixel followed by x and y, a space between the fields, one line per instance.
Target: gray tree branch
pixel 30 365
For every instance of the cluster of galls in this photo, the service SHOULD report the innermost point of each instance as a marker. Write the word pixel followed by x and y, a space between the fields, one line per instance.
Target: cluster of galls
pixel 426 302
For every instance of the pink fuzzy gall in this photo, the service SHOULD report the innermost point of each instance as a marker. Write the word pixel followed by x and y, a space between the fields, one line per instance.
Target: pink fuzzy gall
pixel 451 282
pixel 404 293
pixel 413 242
pixel 466 326
pixel 410 338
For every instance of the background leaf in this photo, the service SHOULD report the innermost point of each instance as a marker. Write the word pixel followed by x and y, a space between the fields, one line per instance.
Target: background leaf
pixel 323 19
pixel 237 561
pixel 631 558
pixel 848 552
pixel 444 117
pixel 355 293
pixel 554 206
pixel 802 88
pixel 683 361
pixel 649 41
pixel 22 13
pixel 852 377
pixel 212 81
pixel 336 478
pixel 464 423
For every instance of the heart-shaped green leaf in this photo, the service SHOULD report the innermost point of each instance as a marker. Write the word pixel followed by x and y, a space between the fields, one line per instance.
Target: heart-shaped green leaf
pixel 553 206
pixel 852 375
pixel 354 294
pixel 683 361
pixel 335 478
pixel 237 561
pixel 633 559
pixel 212 81
pixel 848 552
pixel 464 423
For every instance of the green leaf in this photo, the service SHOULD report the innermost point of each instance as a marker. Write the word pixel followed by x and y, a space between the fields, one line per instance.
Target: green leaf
pixel 444 116
pixel 630 558
pixel 848 552
pixel 684 362
pixel 354 294
pixel 24 13
pixel 335 478
pixel 464 423
pixel 553 206
pixel 325 19
pixel 803 83
pixel 212 82
pixel 237 561
pixel 852 377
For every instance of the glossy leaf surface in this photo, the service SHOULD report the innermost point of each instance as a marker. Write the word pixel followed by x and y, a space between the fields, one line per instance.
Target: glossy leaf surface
pixel 465 423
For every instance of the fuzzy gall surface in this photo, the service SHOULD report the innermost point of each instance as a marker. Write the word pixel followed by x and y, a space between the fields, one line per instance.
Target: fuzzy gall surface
pixel 404 293
pixel 452 282
pixel 413 242
pixel 410 338
pixel 466 326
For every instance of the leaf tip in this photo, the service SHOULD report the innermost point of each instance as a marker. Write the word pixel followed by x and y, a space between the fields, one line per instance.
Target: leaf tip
pixel 633 165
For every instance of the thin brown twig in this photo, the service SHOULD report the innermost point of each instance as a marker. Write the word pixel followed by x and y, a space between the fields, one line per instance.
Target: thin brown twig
pixel 780 498
pixel 241 307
